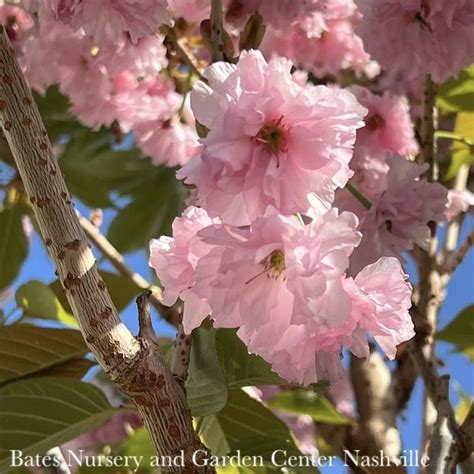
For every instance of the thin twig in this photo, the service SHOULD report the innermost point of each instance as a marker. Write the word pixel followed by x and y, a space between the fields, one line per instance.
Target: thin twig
pixel 144 318
pixel 171 314
pixel 453 263
pixel 182 50
pixel 441 438
pixel 463 445
pixel 445 430
pixel 428 126
pixel 217 31
pixel 432 285
pixel 358 195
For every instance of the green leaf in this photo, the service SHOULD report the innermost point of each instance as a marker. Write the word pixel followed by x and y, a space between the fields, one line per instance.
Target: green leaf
pixel 122 170
pixel 27 349
pixel 79 175
pixel 75 368
pixel 246 425
pixel 40 413
pixel 13 245
pixel 462 154
pixel 459 332
pixel 457 94
pixel 54 109
pixel 243 470
pixel 121 289
pixel 38 301
pixel 242 369
pixel 150 214
pixel 306 402
pixel 206 387
pixel 139 444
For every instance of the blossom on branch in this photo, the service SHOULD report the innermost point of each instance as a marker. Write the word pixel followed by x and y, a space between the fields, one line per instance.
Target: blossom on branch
pixel 103 19
pixel 284 285
pixel 417 37
pixel 401 216
pixel 272 142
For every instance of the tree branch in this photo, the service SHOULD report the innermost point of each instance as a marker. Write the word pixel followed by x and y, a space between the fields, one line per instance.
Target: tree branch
pixel 428 127
pixel 371 380
pixel 448 443
pixel 453 263
pixel 135 364
pixel 217 31
pixel 171 314
pixel 181 50
pixel 463 445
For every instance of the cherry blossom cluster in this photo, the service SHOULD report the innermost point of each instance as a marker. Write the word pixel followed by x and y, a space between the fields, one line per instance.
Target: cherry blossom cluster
pixel 417 37
pixel 265 251
pixel 305 195
pixel 108 58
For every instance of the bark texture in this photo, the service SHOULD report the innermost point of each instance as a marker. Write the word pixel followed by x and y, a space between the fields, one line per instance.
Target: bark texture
pixel 135 364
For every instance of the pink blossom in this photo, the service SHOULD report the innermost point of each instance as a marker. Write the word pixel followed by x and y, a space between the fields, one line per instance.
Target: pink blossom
pixel 272 142
pixel 58 46
pixel 418 37
pixel 284 285
pixel 191 10
pixel 382 313
pixel 399 219
pixel 18 24
pixel 167 141
pixel 388 127
pixel 175 259
pixel 109 18
pixel 458 201
pixel 323 42
pixel 120 83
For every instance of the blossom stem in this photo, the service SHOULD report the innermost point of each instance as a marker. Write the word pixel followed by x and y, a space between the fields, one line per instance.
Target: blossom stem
pixel 181 50
pixel 359 196
pixel 457 258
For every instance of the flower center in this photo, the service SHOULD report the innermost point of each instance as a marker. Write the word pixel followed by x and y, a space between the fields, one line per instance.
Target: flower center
pixel 375 122
pixel 275 262
pixel 274 137
pixel 273 266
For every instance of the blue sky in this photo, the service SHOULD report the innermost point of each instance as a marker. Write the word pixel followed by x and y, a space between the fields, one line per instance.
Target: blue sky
pixel 460 294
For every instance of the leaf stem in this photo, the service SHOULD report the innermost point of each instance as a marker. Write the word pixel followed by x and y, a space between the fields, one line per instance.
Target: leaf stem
pixel 454 136
pixel 359 196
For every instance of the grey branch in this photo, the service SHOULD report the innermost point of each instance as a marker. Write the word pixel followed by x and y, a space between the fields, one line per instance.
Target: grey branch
pixel 171 314
pixel 453 263
pixel 463 445
pixel 446 433
pixel 136 366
